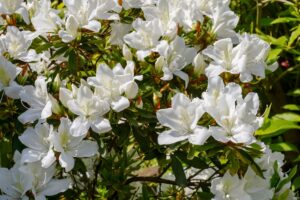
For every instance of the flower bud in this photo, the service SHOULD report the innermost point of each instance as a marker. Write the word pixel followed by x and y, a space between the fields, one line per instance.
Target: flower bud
pixel 199 64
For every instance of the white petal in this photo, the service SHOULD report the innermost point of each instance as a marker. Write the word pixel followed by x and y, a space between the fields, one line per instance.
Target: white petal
pixel 199 136
pixel 214 70
pixel 66 161
pixel 101 125
pixel 13 90
pixel 93 26
pixel 56 186
pixel 47 111
pixel 131 90
pixel 49 159
pixel 170 137
pixel 30 115
pixel 79 127
pixel 6 181
pixel 218 134
pixel 30 155
pixel 121 104
pixel 168 117
pixel 86 148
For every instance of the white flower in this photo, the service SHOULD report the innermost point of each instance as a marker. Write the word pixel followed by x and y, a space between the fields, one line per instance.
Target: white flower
pixel 235 116
pixel 39 146
pixel 14 183
pixel 229 187
pixel 18 42
pixel 144 39
pixel 14 6
pixel 111 84
pixel 8 72
pixel 43 183
pixel 257 187
pixel 89 108
pixel 38 99
pixel 164 13
pixel 224 20
pixel 247 58
pixel 45 18
pixel 71 30
pixel 174 57
pixel 182 119
pixel 70 146
pixel 127 4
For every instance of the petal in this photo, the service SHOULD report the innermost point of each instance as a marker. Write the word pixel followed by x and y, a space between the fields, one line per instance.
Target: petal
pixel 30 139
pixel 30 115
pixel 64 96
pixel 214 70
pixel 75 108
pixel 199 136
pixel 131 90
pixel 49 159
pixel 86 148
pixel 30 155
pixel 56 186
pixel 47 111
pixel 170 137
pixel 93 26
pixel 6 181
pixel 183 76
pixel 101 125
pixel 169 118
pixel 79 127
pixel 218 134
pixel 121 104
pixel 66 161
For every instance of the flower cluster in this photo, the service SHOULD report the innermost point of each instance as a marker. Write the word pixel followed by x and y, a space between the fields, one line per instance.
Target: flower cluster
pixel 81 68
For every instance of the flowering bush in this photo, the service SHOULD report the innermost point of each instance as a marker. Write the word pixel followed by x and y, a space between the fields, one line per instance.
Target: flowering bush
pixel 133 99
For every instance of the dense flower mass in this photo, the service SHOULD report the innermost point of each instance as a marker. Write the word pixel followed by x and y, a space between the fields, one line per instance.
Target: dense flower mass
pixel 100 85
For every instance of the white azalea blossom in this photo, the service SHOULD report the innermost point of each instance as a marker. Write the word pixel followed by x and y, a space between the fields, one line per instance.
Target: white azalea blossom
pixel 70 146
pixel 182 119
pixel 110 84
pixel 8 73
pixel 89 108
pixel 45 19
pixel 236 116
pixel 229 187
pixel 41 103
pixel 247 58
pixel 17 44
pixel 71 31
pixel 173 58
pixel 144 39
pixel 39 146
pixel 14 6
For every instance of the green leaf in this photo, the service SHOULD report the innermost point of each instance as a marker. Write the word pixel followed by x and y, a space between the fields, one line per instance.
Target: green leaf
pixel 288 179
pixel 283 146
pixel 73 61
pixel 275 177
pixel 284 195
pixel 145 192
pixel 296 183
pixel 178 171
pixel 284 20
pixel 275 125
pixel 288 116
pixel 295 34
pixel 274 54
pixel 292 107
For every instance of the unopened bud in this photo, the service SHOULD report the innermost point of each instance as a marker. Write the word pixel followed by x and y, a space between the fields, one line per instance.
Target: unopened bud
pixel 199 64
pixel 126 53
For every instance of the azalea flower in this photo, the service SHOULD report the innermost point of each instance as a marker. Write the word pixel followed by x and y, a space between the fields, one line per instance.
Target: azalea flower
pixel 182 119
pixel 70 146
pixel 229 187
pixel 236 116
pixel 257 187
pixel 18 42
pixel 41 103
pixel 89 108
pixel 43 183
pixel 45 18
pixel 39 146
pixel 173 58
pixel 144 39
pixel 247 58
pixel 111 84
pixel 14 6
pixel 71 31
pixel 8 73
